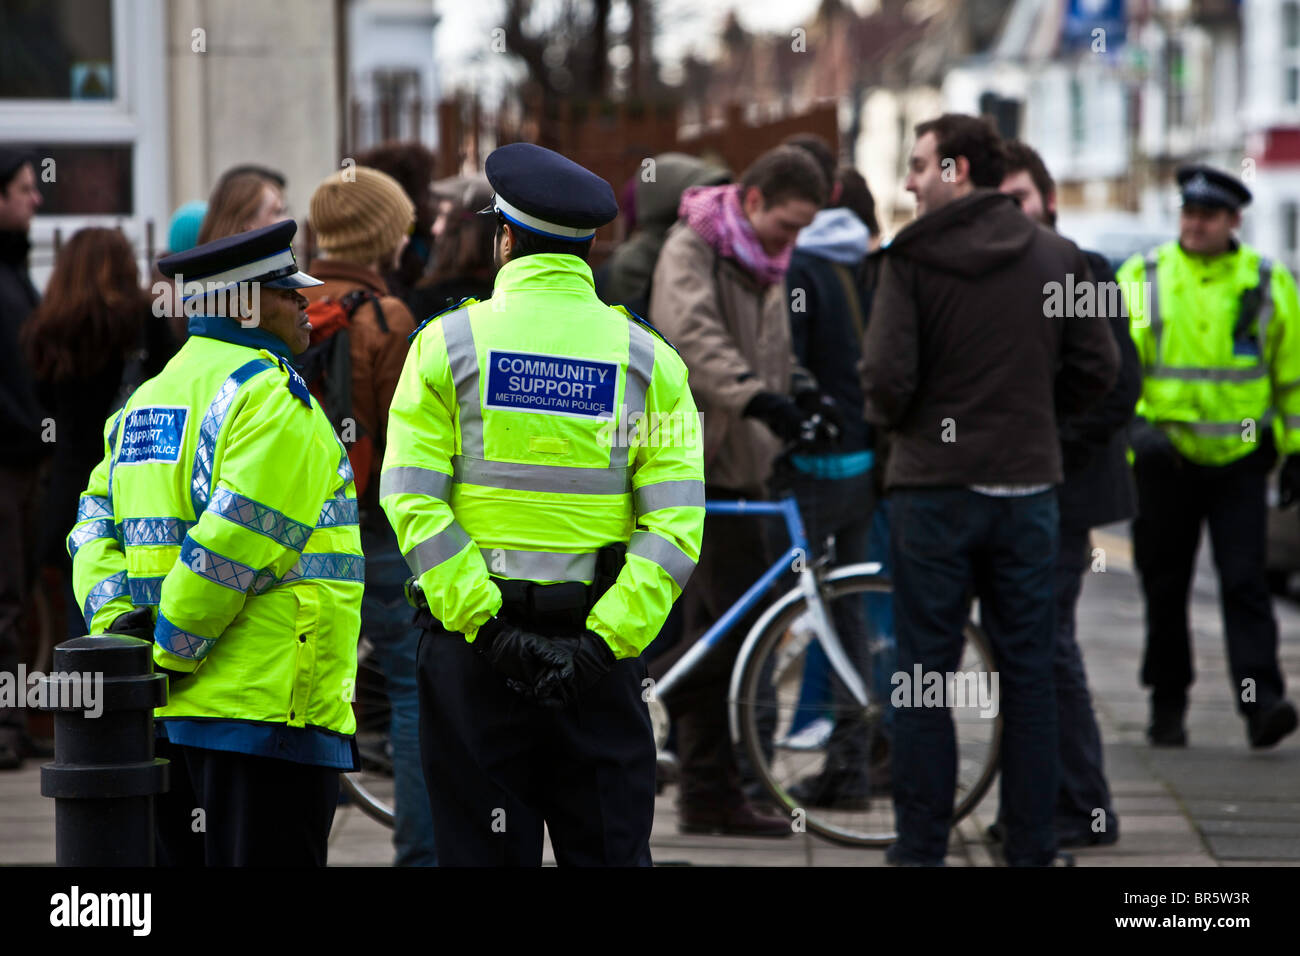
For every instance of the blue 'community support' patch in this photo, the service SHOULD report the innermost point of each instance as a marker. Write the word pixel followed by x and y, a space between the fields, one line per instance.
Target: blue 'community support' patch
pixel 551 384
pixel 155 433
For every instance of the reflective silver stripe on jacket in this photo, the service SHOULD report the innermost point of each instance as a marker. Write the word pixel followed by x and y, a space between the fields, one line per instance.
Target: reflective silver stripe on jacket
pixel 653 547
pixel 93 506
pixel 337 512
pixel 91 531
pixel 540 565
pixel 1153 303
pixel 462 359
pixel 1191 374
pixel 137 532
pixel 431 552
pixel 113 586
pixel 410 480
pixel 210 428
pixel 180 642
pixel 668 494
pixel 260 518
pixel 1265 304
pixel 217 568
pixel 558 479
pixel 640 370
pixel 145 592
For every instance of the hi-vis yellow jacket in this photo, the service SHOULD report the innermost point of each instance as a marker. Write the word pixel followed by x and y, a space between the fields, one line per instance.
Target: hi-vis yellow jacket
pixel 1219 341
pixel 528 431
pixel 225 501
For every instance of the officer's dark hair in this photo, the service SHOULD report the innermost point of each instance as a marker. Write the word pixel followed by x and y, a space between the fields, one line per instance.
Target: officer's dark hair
pixel 974 137
pixel 528 243
pixel 1023 157
pixel 11 163
pixel 785 173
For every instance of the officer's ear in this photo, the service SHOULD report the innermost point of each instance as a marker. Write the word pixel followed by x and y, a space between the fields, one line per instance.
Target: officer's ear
pixel 1235 219
pixel 505 242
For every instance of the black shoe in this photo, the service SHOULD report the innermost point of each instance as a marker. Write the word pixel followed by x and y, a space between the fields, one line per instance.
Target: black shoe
pixel 742 820
pixel 823 790
pixel 1268 725
pixel 895 858
pixel 11 757
pixel 1166 729
pixel 1084 838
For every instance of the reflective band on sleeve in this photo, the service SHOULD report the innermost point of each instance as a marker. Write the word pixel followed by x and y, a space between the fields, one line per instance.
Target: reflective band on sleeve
pixel 93 506
pixel 640 369
pixel 145 591
pixel 216 568
pixel 431 552
pixel 462 359
pixel 409 480
pixel 539 565
pixel 337 512
pixel 557 479
pixel 181 643
pixel 91 531
pixel 327 567
pixel 210 428
pixel 668 494
pixel 1283 388
pixel 345 467
pixel 137 532
pixel 103 592
pixel 260 518
pixel 1291 421
pixel 1208 374
pixel 652 547
pixel 1218 429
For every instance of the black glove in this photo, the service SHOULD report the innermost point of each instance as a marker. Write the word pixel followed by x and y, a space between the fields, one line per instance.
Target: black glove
pixel 823 421
pixel 591 659
pixel 782 416
pixel 139 623
pixel 1150 442
pixel 529 662
pixel 1288 482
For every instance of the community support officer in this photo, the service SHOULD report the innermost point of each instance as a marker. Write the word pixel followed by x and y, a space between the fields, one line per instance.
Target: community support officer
pixel 222 525
pixel 1218 334
pixel 544 476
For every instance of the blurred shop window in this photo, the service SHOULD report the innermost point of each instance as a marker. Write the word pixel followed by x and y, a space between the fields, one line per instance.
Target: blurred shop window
pixel 56 49
pixel 83 180
pixel 1290 229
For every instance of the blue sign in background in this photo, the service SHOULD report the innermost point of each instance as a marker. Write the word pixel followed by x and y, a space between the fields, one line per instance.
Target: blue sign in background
pixel 156 433
pixel 551 384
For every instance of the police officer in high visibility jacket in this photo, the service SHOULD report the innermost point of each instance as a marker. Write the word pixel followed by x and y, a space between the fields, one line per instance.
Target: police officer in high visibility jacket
pixel 1217 328
pixel 544 477
pixel 222 525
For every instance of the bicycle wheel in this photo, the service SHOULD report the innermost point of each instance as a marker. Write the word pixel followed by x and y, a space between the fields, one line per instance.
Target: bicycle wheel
pixel 371 788
pixel 820 755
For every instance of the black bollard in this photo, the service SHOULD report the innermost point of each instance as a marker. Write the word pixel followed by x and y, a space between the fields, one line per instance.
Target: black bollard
pixel 104 773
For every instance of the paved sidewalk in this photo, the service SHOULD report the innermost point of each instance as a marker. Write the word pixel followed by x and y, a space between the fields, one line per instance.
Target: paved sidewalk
pixel 1214 803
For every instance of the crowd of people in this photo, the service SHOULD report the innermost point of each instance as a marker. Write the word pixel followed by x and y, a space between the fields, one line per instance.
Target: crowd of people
pixel 914 394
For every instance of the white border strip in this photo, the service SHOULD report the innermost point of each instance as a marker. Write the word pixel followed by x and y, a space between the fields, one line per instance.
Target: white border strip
pixel 568 232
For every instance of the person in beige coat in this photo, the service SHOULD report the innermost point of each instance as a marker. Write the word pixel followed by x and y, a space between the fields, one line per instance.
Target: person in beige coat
pixel 719 296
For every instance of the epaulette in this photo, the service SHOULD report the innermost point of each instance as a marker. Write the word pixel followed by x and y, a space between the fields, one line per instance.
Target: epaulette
pixel 451 308
pixel 296 384
pixel 645 325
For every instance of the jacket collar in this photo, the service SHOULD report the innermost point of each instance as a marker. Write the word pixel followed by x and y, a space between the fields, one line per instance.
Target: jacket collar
pixel 327 269
pixel 552 272
pixel 228 330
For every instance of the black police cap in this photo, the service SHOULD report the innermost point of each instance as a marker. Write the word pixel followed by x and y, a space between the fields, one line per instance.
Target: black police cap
pixel 539 190
pixel 1203 185
pixel 262 255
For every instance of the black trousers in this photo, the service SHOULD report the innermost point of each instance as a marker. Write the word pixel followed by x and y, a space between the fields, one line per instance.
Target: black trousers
pixel 257 811
pixel 499 767
pixel 1174 499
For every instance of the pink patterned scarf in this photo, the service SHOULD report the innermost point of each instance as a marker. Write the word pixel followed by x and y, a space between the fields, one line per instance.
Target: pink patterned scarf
pixel 714 212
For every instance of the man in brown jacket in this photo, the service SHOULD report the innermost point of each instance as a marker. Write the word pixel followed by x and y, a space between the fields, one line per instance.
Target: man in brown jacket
pixel 966 366
pixel 362 220
pixel 719 296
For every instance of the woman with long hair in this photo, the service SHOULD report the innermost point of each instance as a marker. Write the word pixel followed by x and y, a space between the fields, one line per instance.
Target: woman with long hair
pixel 463 256
pixel 92 339
pixel 243 200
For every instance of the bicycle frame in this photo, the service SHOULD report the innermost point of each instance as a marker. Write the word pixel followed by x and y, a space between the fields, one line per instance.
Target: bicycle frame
pixel 788 509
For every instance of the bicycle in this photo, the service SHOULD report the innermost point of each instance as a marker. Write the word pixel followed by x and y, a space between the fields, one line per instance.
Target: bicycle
pixel 765 684
pixel 766 681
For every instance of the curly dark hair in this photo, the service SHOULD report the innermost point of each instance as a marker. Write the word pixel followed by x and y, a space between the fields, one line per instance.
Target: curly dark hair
pixel 974 137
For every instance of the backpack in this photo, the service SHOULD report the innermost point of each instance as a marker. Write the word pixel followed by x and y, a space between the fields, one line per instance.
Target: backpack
pixel 327 367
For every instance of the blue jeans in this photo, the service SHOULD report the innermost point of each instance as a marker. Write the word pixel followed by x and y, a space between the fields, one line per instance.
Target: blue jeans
pixel 386 620
pixel 947 544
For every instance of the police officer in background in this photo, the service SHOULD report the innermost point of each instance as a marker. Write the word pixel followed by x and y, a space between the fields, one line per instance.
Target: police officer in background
pixel 222 525
pixel 1218 335
pixel 544 476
